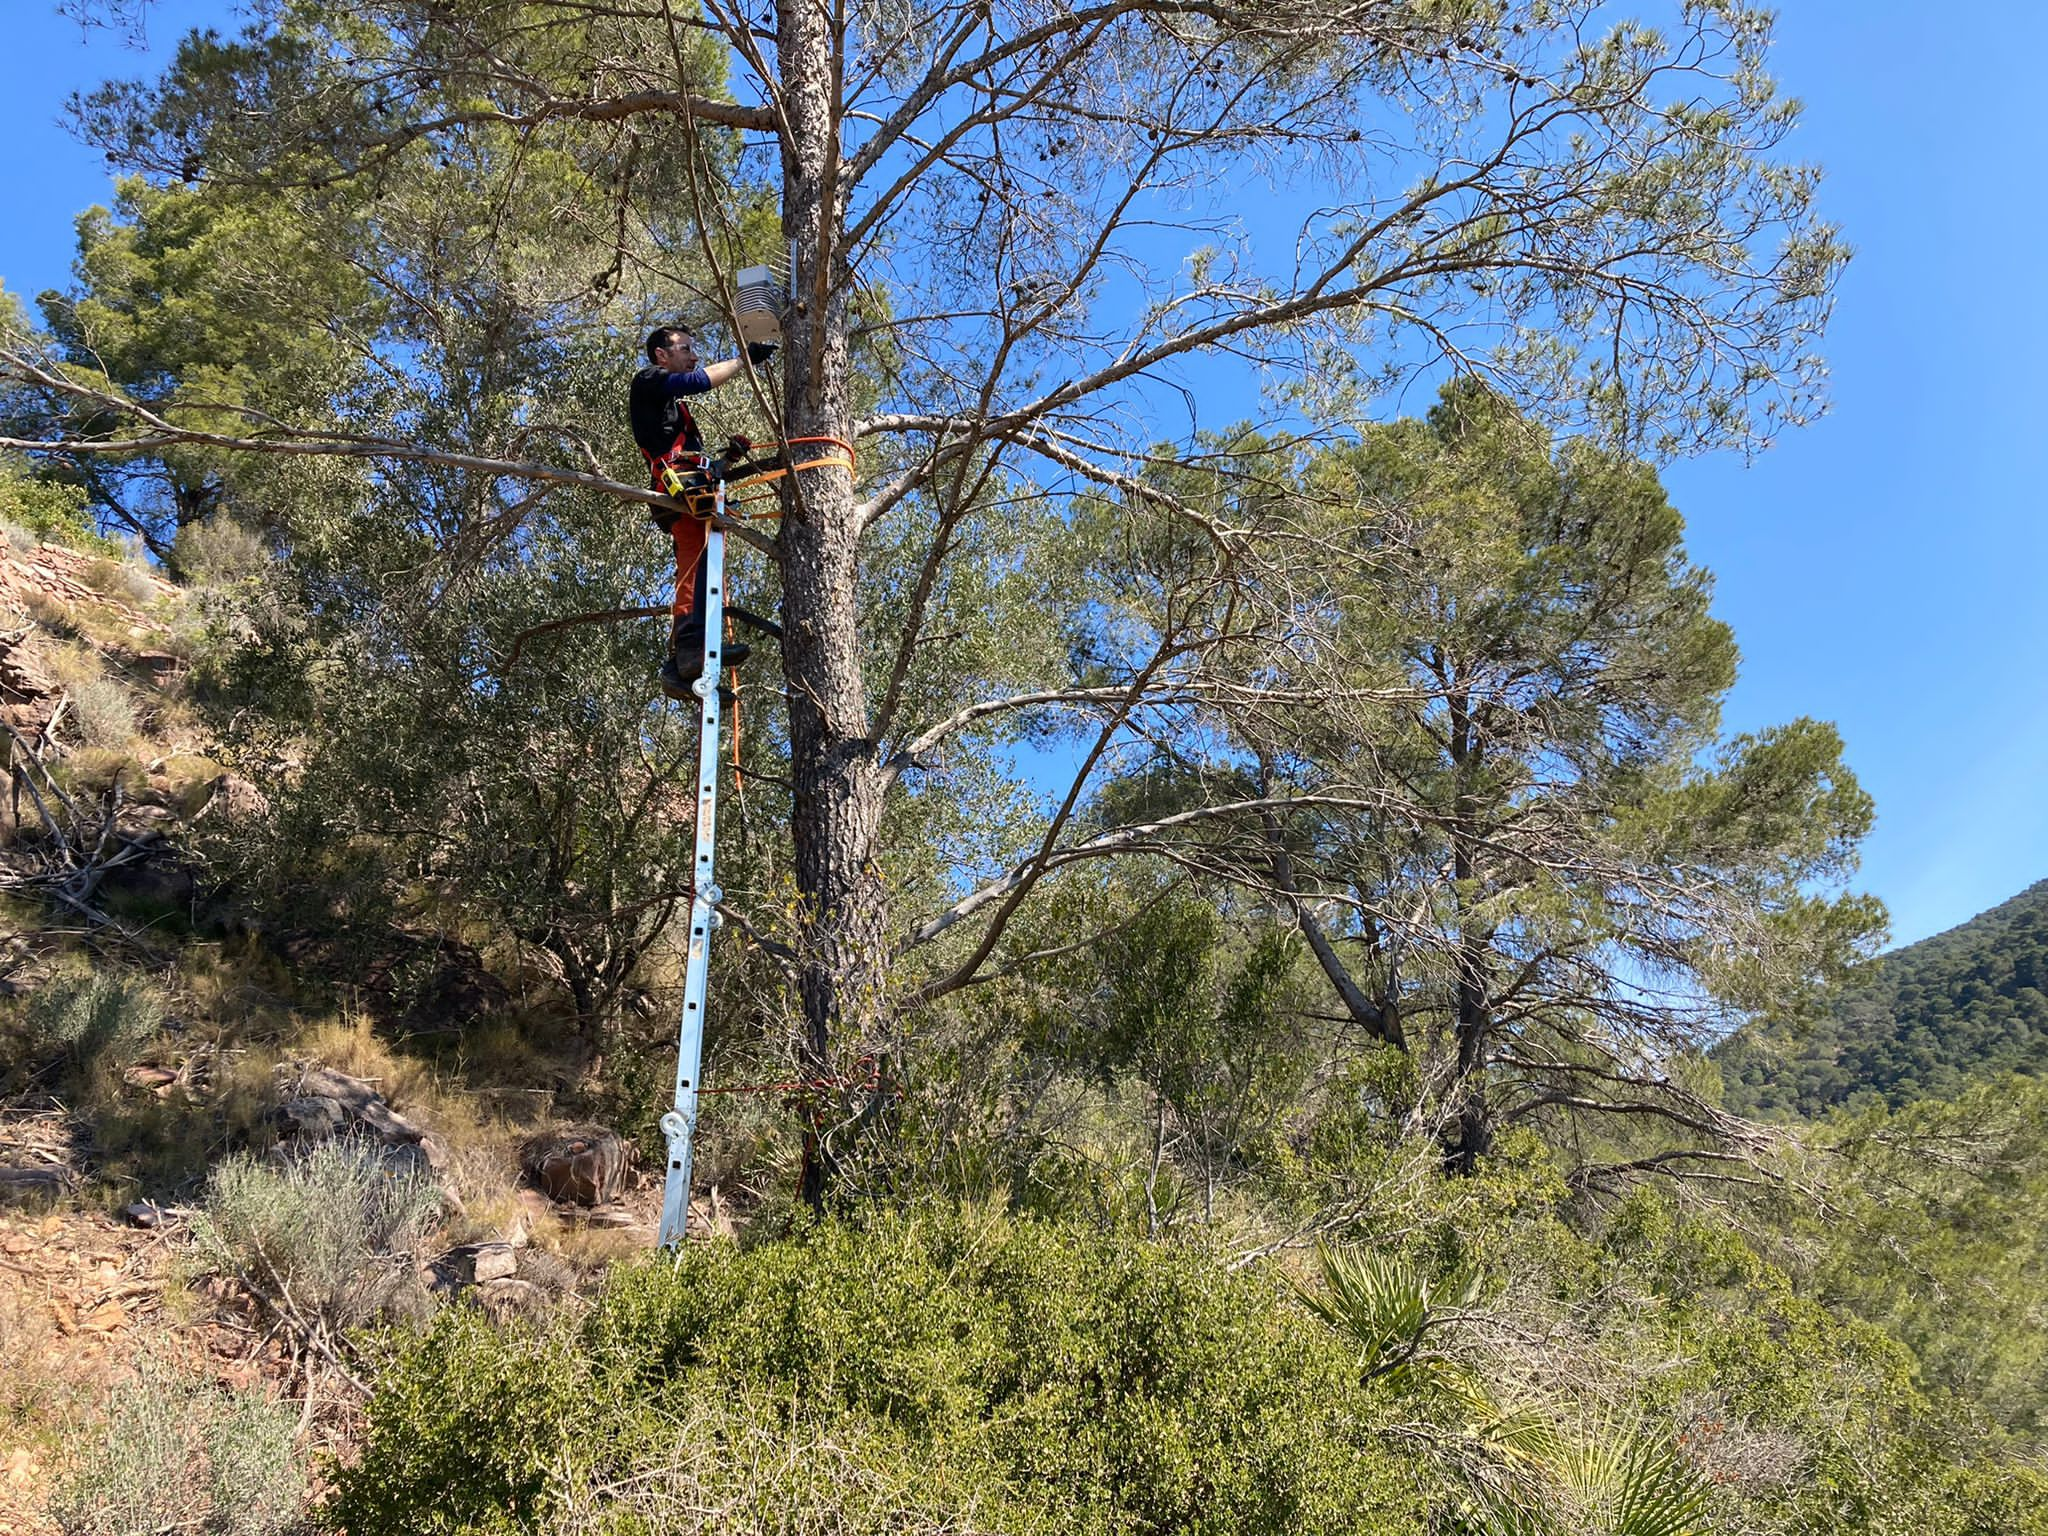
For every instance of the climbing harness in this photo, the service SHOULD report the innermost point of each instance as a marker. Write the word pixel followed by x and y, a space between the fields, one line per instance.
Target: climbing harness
pixel 679 1125
pixel 690 476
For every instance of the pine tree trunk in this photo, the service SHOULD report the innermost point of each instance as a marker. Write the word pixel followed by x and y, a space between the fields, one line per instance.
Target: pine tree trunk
pixel 1469 1136
pixel 837 785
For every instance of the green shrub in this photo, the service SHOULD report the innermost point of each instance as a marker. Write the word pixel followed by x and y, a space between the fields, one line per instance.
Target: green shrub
pixel 331 1233
pixel 50 511
pixel 176 1454
pixel 104 712
pixel 95 1016
pixel 1641 1371
pixel 1864 1449
pixel 944 1372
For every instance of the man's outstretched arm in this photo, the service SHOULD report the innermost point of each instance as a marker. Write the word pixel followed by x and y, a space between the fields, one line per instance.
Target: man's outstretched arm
pixel 698 380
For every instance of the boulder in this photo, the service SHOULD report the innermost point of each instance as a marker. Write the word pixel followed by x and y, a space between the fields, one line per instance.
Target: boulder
pixel 585 1165
pixel 506 1299
pixel 471 1264
pixel 492 1261
pixel 320 1102
pixel 315 1118
pixel 233 798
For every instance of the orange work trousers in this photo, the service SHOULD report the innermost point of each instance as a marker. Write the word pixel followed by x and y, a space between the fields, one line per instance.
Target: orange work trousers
pixel 688 534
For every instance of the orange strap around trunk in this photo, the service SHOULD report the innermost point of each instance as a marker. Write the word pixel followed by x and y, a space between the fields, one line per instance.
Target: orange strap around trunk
pixel 843 459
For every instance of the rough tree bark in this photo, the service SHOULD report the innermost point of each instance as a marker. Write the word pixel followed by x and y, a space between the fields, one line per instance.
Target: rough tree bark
pixel 835 770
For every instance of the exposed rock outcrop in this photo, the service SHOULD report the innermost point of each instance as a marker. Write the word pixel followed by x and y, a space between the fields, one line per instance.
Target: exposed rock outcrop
pixel 584 1165
pixel 319 1102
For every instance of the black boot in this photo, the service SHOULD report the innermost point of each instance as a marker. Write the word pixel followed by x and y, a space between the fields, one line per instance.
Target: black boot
pixel 673 684
pixel 685 661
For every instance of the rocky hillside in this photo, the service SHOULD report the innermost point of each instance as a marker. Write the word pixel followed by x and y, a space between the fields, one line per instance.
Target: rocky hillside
pixel 218 1159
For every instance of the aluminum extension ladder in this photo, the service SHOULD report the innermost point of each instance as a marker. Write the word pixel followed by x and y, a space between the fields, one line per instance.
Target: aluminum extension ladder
pixel 680 1123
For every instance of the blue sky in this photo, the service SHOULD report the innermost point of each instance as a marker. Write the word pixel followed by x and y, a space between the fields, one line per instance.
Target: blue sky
pixel 1884 569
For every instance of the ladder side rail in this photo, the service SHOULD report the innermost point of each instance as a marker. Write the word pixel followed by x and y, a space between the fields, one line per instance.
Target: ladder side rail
pixel 680 1123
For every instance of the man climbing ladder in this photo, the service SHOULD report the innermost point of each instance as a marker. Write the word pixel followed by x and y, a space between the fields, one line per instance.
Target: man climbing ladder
pixel 673 446
pixel 698 653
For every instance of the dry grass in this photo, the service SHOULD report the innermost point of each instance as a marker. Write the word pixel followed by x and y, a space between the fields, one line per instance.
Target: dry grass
pixel 480 1130
pixel 104 624
pixel 52 615
pixel 347 1043
pixel 33 1397
pixel 120 579
pixel 591 1249
pixel 160 1148
pixel 480 1135
pixel 238 982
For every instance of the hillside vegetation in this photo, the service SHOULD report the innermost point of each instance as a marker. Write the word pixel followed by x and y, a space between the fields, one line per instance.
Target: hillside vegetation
pixel 1327 1331
pixel 1223 919
pixel 1919 1023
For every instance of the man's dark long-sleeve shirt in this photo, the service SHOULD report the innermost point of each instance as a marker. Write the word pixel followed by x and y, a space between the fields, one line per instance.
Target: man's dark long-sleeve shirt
pixel 656 410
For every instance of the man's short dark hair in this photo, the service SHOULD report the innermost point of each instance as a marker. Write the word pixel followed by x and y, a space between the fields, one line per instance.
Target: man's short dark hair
pixel 666 336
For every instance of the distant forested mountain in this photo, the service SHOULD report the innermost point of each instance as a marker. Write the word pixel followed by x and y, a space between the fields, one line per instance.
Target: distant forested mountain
pixel 1922 1021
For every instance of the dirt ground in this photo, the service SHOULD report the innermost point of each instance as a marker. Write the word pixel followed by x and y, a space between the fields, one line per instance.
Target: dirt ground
pixel 83 1303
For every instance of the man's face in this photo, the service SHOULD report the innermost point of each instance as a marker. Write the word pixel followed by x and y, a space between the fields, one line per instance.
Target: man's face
pixel 679 356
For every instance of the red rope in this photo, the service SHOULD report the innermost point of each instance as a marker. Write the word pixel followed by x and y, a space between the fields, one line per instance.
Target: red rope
pixel 872 1082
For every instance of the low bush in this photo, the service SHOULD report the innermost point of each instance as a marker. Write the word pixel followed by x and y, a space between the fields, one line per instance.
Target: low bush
pixel 95 1016
pixel 48 510
pixel 176 1454
pixel 101 713
pixel 219 551
pixel 104 713
pixel 331 1234
pixel 120 578
pixel 931 1371
pixel 922 1373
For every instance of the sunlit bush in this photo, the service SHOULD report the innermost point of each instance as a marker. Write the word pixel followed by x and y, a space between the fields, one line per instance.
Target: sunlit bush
pixel 922 1373
pixel 175 1454
pixel 332 1233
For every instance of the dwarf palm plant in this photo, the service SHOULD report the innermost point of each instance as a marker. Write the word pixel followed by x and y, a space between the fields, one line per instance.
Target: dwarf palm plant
pixel 1612 1481
pixel 1388 1308
pixel 1522 1474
